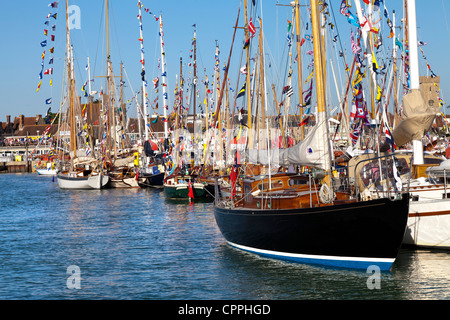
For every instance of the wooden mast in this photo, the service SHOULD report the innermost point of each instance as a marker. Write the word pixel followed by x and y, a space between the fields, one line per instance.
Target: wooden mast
pixel 299 61
pixel 90 98
pixel 261 86
pixel 247 52
pixel 320 90
pixel 73 142
pixel 122 105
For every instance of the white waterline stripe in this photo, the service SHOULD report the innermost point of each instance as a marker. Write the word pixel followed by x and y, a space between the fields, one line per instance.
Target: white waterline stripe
pixel 308 256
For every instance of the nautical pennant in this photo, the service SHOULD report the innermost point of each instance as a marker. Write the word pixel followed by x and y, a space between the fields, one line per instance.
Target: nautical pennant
pixel 251 28
pixel 241 92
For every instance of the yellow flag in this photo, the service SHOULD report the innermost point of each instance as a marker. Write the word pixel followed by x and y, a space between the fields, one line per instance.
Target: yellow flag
pixel 379 93
pixel 39 86
pixel 51 82
pixel 239 134
pixel 309 77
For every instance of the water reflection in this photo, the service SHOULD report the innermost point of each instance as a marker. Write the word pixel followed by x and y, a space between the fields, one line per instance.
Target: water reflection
pixel 136 244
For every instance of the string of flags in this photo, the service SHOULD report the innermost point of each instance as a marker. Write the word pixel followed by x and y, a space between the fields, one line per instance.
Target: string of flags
pixel 49 29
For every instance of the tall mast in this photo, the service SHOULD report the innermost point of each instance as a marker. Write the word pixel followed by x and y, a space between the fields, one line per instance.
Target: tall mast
pixel 262 85
pixel 90 98
pixel 122 105
pixel 163 78
pixel 318 68
pixel 144 94
pixel 299 59
pixel 73 142
pixel 195 72
pixel 108 77
pixel 247 52
pixel 394 57
pixel 287 104
pixel 180 95
pixel 414 69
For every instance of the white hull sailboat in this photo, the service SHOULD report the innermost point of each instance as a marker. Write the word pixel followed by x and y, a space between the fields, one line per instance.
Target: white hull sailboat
pixel 77 181
pixel 429 215
pixel 47 172
pixel 429 210
pixel 82 172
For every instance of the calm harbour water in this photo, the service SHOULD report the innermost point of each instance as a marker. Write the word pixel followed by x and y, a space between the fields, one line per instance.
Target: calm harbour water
pixel 135 244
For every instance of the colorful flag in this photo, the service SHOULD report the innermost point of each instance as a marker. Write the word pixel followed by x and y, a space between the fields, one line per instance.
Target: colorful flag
pixel 39 86
pixel 247 43
pixel 251 28
pixel 52 49
pixel 389 138
pixel 44 43
pixel 49 71
pixel 48 101
pixel 191 191
pixel 288 91
pixel 241 92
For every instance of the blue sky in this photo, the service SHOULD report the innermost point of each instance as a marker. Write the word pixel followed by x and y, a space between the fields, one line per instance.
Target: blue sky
pixel 23 30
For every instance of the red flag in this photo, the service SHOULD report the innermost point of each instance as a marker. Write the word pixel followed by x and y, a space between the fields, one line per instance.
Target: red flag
pixel 191 191
pixel 137 176
pixel 251 28
pixel 49 71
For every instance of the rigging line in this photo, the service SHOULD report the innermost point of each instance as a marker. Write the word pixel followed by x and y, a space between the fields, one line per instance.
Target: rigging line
pixel 116 32
pixel 445 18
pixel 98 39
pixel 338 34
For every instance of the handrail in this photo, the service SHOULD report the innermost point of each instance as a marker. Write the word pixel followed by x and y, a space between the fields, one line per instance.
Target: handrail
pixel 387 175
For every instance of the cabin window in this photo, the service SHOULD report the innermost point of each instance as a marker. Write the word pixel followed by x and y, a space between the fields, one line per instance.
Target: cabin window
pixel 293 182
pixel 275 184
pixel 446 196
pixel 415 198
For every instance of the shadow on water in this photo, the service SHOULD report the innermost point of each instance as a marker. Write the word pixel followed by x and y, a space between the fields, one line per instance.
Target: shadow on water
pixel 256 277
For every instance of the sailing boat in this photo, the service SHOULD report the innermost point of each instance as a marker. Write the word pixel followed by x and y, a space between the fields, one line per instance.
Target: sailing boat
pixel 153 169
pixel 181 182
pixel 429 217
pixel 118 159
pixel 83 172
pixel 285 216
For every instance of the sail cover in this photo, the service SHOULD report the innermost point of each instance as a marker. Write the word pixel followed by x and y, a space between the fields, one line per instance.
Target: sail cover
pixel 417 119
